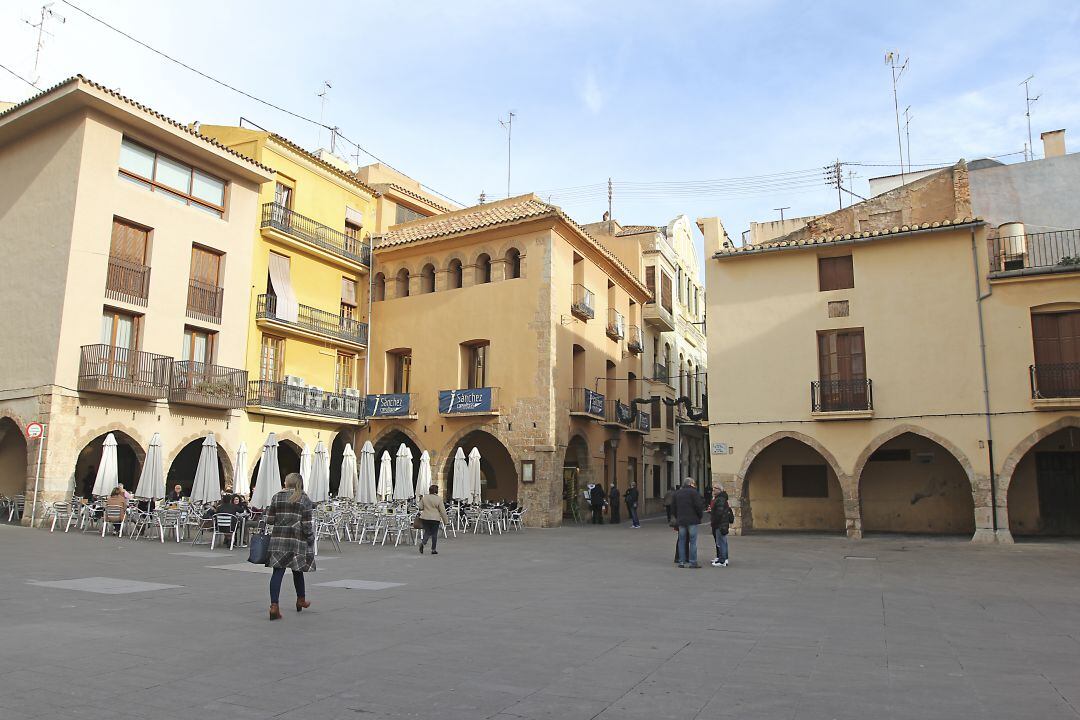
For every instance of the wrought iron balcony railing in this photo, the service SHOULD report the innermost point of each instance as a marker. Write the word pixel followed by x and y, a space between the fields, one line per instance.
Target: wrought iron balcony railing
pixel 660 373
pixel 119 371
pixel 583 304
pixel 617 412
pixel 313 320
pixel 196 383
pixel 322 236
pixel 635 340
pixel 616 324
pixel 1057 251
pixel 584 401
pixel 127 281
pixel 204 301
pixel 841 395
pixel 1055 380
pixel 303 399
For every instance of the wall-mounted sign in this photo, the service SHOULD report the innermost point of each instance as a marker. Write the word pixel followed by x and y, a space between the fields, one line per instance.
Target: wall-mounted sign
pixel 644 421
pixel 622 413
pixel 720 448
pixel 465 401
pixel 393 405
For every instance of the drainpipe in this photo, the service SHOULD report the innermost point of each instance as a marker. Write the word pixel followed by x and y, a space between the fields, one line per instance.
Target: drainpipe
pixel 370 329
pixel 979 297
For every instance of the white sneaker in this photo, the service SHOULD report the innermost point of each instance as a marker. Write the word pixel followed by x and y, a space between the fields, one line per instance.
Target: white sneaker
pixel 724 564
pixel 717 563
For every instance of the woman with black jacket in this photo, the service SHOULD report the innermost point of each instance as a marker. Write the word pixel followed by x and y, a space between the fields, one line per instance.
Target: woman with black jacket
pixel 720 518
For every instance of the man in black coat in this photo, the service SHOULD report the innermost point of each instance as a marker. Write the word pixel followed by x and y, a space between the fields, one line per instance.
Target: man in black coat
pixel 596 501
pixel 613 503
pixel 631 504
pixel 689 508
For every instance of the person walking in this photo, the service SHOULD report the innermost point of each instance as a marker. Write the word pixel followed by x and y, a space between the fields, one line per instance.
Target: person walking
pixel 596 501
pixel 292 541
pixel 689 508
pixel 720 518
pixel 432 511
pixel 613 503
pixel 631 498
pixel 669 504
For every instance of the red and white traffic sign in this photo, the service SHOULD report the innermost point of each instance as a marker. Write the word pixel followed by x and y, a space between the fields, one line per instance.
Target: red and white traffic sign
pixel 35 430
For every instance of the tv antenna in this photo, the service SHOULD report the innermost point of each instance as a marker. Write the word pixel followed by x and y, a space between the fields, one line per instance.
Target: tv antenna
pixel 509 125
pixel 1029 150
pixel 326 87
pixel 782 209
pixel 891 59
pixel 907 134
pixel 47 13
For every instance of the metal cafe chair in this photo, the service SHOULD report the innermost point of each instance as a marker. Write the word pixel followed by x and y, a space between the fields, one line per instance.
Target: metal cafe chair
pixel 223 524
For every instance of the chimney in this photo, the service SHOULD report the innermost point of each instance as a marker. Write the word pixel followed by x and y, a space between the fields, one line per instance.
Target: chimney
pixel 1053 143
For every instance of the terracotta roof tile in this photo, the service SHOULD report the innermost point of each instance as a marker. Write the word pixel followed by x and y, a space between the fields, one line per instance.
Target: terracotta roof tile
pixel 636 230
pixel 405 191
pixel 323 164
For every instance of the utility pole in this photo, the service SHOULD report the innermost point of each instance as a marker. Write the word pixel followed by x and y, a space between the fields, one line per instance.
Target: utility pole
pixel 1029 153
pixel 483 197
pixel 890 60
pixel 47 13
pixel 509 125
pixel 907 133
pixel 610 192
pixel 782 209
pixel 834 176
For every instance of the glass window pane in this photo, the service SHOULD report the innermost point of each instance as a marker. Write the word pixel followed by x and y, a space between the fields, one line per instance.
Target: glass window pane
pixel 208 188
pixel 173 174
pixel 187 345
pixel 124 326
pixel 173 196
pixel 136 159
pixel 199 351
pixel 134 181
pixel 106 328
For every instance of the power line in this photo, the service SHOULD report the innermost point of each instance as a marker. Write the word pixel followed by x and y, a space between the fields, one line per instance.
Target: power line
pixel 16 75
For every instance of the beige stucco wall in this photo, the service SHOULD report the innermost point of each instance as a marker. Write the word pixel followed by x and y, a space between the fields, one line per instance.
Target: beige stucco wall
pixel 773 511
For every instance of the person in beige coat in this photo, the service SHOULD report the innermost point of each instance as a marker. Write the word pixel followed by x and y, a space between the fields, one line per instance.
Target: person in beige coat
pixel 432 511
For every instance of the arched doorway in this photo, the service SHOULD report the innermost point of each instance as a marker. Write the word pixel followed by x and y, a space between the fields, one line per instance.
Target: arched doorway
pixel 575 476
pixel 129 457
pixel 12 458
pixel 1044 492
pixel 390 442
pixel 912 484
pixel 182 470
pixel 498 472
pixel 288 461
pixel 791 486
pixel 337 453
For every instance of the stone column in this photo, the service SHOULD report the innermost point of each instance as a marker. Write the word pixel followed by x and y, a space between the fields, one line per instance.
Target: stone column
pixel 442 280
pixel 498 269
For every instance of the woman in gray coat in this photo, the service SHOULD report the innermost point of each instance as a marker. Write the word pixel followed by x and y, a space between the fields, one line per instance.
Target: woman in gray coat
pixel 432 511
pixel 292 541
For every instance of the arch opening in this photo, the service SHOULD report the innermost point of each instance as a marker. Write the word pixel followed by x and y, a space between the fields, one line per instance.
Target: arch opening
pixel 455 280
pixel 390 442
pixel 288 461
pixel 427 279
pixel 337 454
pixel 498 472
pixel 182 470
pixel 575 475
pixel 378 288
pixel 12 458
pixel 129 458
pixel 483 269
pixel 791 486
pixel 513 264
pixel 1044 492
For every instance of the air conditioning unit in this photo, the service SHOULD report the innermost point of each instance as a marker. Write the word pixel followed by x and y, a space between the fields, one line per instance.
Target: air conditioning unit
pixel 314 397
pixel 294 380
pixel 351 392
pixel 295 391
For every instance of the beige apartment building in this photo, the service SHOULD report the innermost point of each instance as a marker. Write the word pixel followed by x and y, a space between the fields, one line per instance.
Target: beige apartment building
pixel 899 366
pixel 505 327
pixel 128 246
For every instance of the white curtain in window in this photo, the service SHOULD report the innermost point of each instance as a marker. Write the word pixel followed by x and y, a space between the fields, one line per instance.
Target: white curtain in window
pixel 354 217
pixel 288 308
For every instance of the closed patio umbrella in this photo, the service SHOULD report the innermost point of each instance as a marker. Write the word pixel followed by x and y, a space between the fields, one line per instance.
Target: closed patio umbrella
pixel 475 489
pixel 152 478
pixel 461 476
pixel 423 477
pixel 365 491
pixel 403 487
pixel 207 484
pixel 346 489
pixel 242 478
pixel 268 481
pixel 386 477
pixel 318 487
pixel 106 472
pixel 305 466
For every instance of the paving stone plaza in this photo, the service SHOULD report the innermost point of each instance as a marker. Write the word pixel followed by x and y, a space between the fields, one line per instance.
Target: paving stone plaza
pixel 573 623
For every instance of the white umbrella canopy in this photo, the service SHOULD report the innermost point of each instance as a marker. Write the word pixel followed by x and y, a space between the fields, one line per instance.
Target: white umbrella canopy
pixel 152 478
pixel 423 477
pixel 268 482
pixel 207 484
pixel 365 491
pixel 319 485
pixel 474 474
pixel 461 476
pixel 346 489
pixel 241 478
pixel 403 487
pixel 305 465
pixel 386 476
pixel 106 472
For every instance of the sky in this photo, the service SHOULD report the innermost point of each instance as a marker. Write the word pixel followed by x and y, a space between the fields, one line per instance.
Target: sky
pixel 755 96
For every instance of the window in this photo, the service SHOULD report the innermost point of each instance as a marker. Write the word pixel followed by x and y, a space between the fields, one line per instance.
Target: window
pixel 650 281
pixel 128 278
pixel 842 355
pixel 175 179
pixel 513 264
pixel 272 359
pixel 354 224
pixel 427 279
pixel 483 269
pixel 345 373
pixel 283 195
pixel 199 345
pixel 665 290
pixel 404 215
pixel 403 283
pixel 204 285
pixel 804 481
pixel 890 455
pixel 1057 354
pixel 654 410
pixel 348 299
pixel 669 417
pixel 656 481
pixel 378 288
pixel 128 242
pixel 835 273
pixel 120 329
pixel 401 367
pixel 475 355
pixel 455 273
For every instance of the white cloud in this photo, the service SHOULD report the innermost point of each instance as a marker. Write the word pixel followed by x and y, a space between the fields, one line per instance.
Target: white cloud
pixel 591 93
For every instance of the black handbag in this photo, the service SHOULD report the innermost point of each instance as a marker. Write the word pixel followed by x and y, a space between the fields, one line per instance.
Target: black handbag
pixel 259 549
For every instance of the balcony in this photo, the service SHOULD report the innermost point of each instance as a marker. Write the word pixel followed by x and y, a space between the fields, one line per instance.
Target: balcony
pixel 286 399
pixel 1035 254
pixel 127 281
pixel 617 414
pixel 119 371
pixel 616 324
pixel 635 340
pixel 469 401
pixel 586 403
pixel 1055 386
pixel 844 398
pixel 643 424
pixel 312 322
pixel 583 305
pixel 212 386
pixel 660 317
pixel 290 227
pixel 390 406
pixel 204 301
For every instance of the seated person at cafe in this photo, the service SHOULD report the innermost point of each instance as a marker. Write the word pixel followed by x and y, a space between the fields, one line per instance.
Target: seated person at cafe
pixel 117 500
pixel 176 495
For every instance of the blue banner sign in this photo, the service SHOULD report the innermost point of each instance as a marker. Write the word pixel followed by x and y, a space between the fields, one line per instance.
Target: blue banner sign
pixel 465 401
pixel 594 403
pixel 393 405
pixel 622 413
pixel 644 422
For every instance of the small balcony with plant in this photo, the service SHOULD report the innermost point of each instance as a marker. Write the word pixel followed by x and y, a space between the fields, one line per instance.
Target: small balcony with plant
pixel 583 303
pixel 616 325
pixel 207 385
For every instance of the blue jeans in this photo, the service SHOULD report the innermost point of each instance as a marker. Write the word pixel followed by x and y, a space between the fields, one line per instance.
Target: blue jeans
pixel 275 583
pixel 721 545
pixel 631 510
pixel 688 535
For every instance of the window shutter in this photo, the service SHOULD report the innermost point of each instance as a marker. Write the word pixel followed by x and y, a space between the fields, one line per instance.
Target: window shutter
pixel 836 273
pixel 348 291
pixel 650 280
pixel 665 290
pixel 205 266
pixel 128 242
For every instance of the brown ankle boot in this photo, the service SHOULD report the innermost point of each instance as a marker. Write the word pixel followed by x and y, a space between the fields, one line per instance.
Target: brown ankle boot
pixel 301 603
pixel 275 611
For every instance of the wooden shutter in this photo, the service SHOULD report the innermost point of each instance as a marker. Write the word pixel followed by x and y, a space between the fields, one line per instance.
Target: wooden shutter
pixel 128 242
pixel 1056 337
pixel 348 291
pixel 836 273
pixel 650 280
pixel 205 266
pixel 665 290
pixel 842 355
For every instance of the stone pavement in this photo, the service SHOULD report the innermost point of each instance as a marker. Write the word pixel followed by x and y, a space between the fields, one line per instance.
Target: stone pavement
pixel 575 623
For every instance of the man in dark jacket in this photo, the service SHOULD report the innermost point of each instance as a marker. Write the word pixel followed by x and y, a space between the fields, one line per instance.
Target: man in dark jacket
pixel 720 518
pixel 596 501
pixel 689 508
pixel 613 503
pixel 631 497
